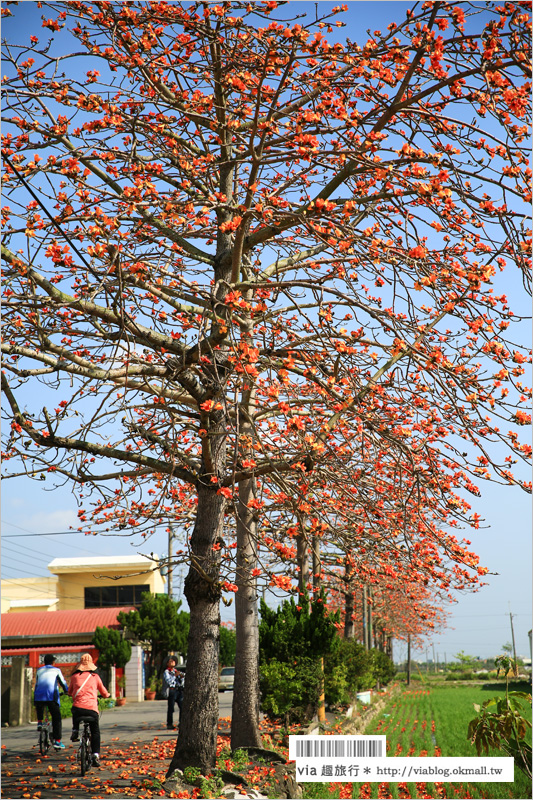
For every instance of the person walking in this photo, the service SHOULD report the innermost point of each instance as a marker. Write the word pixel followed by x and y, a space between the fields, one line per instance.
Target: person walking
pixel 49 680
pixel 84 688
pixel 173 685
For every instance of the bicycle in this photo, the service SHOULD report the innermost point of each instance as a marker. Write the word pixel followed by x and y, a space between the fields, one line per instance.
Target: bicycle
pixel 45 735
pixel 85 749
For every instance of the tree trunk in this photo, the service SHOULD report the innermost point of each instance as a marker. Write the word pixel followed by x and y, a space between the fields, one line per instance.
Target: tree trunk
pixel 245 708
pixel 370 626
pixel 364 617
pixel 302 558
pixel 349 604
pixel 317 566
pixel 197 739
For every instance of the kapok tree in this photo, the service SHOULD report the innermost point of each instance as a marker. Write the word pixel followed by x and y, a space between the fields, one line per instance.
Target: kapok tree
pixel 374 540
pixel 184 223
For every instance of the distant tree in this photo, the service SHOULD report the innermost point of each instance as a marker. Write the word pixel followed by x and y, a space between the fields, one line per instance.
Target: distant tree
pixel 228 645
pixel 115 651
pixel 160 623
pixel 466 661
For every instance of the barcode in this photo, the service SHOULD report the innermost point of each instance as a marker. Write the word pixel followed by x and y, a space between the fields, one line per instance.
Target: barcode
pixel 330 747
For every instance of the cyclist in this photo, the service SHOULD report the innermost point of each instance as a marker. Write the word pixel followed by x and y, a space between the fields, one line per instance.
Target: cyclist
pixel 84 688
pixel 49 680
pixel 173 683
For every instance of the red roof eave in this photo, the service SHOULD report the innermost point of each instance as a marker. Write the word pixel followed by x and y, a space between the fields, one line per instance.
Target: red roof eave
pixel 39 624
pixel 66 648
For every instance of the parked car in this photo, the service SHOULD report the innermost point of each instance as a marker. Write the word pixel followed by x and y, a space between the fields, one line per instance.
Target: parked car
pixel 226 678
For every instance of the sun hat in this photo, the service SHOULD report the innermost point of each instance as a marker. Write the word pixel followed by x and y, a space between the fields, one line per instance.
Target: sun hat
pixel 86 663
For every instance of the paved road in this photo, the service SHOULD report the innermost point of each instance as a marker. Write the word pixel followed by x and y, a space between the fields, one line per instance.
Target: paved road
pixel 135 743
pixel 138 722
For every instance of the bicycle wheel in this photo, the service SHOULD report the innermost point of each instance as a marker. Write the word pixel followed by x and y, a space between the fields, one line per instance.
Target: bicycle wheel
pixel 85 754
pixel 44 741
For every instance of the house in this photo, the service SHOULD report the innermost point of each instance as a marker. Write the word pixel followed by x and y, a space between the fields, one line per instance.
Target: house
pixel 77 583
pixel 66 634
pixel 59 614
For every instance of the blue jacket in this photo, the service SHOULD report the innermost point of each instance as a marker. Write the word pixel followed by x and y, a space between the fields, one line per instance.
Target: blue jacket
pixel 49 679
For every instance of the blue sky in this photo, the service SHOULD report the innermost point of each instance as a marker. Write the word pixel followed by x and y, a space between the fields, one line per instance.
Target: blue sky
pixel 479 623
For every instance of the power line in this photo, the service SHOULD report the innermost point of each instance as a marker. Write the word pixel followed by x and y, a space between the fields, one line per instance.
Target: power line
pixel 14 557
pixel 7 568
pixel 54 533
pixel 72 533
pixel 468 616
pixel 12 575
pixel 26 555
pixel 16 526
pixel 86 550
pixel 10 553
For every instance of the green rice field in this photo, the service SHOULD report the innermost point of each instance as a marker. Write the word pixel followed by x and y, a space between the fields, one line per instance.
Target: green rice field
pixel 430 720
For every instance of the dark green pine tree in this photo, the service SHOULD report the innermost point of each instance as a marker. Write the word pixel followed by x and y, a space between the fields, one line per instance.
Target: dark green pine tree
pixel 296 629
pixel 115 651
pixel 160 623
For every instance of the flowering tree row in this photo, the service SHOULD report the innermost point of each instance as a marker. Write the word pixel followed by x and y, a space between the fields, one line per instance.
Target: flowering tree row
pixel 251 270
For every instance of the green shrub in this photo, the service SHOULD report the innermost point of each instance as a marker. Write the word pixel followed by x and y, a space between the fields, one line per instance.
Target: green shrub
pixel 66 706
pixel 336 687
pixel 227 647
pixel 384 668
pixel 291 691
pixel 287 635
pixel 358 669
pixel 360 664
pixel 460 676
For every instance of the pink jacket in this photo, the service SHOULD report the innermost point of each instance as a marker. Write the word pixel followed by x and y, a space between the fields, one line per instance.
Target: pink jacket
pixel 86 697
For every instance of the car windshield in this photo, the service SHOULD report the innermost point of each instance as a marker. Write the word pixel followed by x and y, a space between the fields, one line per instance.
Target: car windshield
pixel 228 671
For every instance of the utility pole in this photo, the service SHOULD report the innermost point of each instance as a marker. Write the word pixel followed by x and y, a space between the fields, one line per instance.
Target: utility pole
pixel 370 620
pixel 409 659
pixel 434 662
pixel 169 573
pixel 514 647
pixel 365 618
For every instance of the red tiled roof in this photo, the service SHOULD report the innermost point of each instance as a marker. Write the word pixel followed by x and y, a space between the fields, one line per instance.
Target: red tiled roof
pixel 57 623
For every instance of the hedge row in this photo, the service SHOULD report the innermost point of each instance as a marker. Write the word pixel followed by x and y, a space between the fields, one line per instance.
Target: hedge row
pixel 301 654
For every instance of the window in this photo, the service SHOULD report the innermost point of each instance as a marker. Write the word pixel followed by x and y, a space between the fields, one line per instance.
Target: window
pixel 112 596
pixel 63 658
